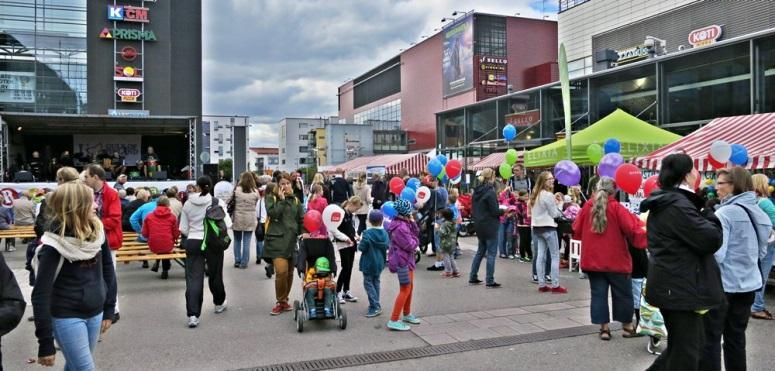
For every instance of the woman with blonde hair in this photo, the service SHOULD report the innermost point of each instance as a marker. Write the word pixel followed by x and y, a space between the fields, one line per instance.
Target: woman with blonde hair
pixel 761 187
pixel 244 218
pixel 486 213
pixel 74 296
pixel 363 191
pixel 347 246
pixel 544 210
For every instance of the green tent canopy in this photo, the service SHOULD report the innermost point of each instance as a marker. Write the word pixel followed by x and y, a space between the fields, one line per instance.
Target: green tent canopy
pixel 636 136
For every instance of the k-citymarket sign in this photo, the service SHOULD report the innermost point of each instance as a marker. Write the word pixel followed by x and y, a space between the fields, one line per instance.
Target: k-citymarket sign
pixel 127 34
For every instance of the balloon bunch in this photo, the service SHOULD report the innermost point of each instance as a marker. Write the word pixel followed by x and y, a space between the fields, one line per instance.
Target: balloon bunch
pixel 610 163
pixel 722 153
pixel 445 170
pixel 511 158
pixel 596 153
pixel 332 218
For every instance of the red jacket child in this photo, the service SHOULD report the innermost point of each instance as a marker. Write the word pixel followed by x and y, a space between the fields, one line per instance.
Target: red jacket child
pixel 161 229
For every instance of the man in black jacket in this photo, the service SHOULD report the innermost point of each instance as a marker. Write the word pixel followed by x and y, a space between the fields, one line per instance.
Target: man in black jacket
pixel 11 302
pixel 486 214
pixel 340 189
pixel 378 191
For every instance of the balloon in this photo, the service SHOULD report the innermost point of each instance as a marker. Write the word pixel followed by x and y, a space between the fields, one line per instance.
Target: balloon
pixel 772 182
pixel 413 183
pixel 442 159
pixel 721 151
pixel 505 170
pixel 609 163
pixel 453 168
pixel 511 156
pixel 739 155
pixel 612 145
pixel 444 179
pixel 442 174
pixel 435 167
pixel 772 189
pixel 333 216
pixel 567 173
pixel 456 180
pixel 628 178
pixel 389 209
pixel 595 153
pixel 423 194
pixel 708 181
pixel 312 220
pixel 396 185
pixel 509 132
pixel 651 185
pixel 408 194
pixel 716 164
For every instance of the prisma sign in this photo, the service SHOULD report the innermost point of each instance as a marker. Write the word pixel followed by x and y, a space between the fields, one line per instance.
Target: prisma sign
pixel 128 13
pixel 127 34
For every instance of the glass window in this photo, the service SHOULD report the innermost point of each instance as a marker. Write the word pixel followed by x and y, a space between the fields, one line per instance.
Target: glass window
pixel 303 149
pixel 490 36
pixel 524 112
pixel 303 137
pixel 553 116
pixel 483 123
pixel 567 4
pixel 451 130
pixel 767 74
pixel 382 116
pixel 715 83
pixel 633 90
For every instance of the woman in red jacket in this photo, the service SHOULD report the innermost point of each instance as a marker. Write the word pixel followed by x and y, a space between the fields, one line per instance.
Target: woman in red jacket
pixel 161 229
pixel 604 227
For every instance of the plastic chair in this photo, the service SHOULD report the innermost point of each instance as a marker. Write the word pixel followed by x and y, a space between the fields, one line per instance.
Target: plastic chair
pixel 575 254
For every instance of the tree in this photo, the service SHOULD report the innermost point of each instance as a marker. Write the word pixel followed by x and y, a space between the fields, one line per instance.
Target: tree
pixel 225 166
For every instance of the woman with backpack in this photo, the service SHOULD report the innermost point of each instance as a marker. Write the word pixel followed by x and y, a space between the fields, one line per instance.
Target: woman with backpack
pixel 192 225
pixel 244 200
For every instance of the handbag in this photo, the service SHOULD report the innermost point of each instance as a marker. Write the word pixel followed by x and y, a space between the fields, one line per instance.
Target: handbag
pixel 232 203
pixel 651 321
pixel 259 225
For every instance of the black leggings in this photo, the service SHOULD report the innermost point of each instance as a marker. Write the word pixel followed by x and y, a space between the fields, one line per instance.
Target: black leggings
pixel 525 238
pixel 361 223
pixel 347 256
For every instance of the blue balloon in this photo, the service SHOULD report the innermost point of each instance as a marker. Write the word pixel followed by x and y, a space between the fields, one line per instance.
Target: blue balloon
pixel 612 145
pixel 409 195
pixel 509 132
pixel 772 182
pixel 389 209
pixel 442 159
pixel 434 167
pixel 413 183
pixel 739 155
pixel 444 179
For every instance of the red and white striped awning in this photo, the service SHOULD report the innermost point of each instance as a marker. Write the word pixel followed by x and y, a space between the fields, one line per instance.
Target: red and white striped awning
pixel 414 163
pixel 755 132
pixel 494 160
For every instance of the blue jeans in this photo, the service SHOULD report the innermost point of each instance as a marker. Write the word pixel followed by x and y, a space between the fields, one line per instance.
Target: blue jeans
pixel 490 248
pixel 77 338
pixel 637 287
pixel 371 285
pixel 504 238
pixel 621 295
pixel 242 247
pixel 437 237
pixel 259 249
pixel 766 266
pixel 547 244
pixel 534 250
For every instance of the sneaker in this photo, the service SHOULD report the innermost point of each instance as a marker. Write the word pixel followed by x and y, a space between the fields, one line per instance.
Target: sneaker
pixel 277 309
pixel 544 289
pixel 379 310
pixel 269 270
pixel 286 307
pixel 528 260
pixel 511 257
pixel 116 317
pixel 145 264
pixel 155 267
pixel 475 282
pixel 193 322
pixel 435 268
pixel 313 312
pixel 548 278
pixel 398 326
pixel 221 308
pixel 535 279
pixel 373 313
pixel 504 257
pixel 236 264
pixel 411 319
pixel 493 285
pixel 340 297
pixel 165 275
pixel 348 296
pixel 559 290
pixel 12 249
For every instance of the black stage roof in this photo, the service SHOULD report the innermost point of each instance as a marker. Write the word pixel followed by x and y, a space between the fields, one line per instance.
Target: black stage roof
pixel 46 123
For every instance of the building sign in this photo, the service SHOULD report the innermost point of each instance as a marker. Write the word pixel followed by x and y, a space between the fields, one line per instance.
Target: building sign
pixel 524 119
pixel 492 79
pixel 633 54
pixel 128 112
pixel 128 95
pixel 458 57
pixel 705 36
pixel 127 73
pixel 127 146
pixel 17 87
pixel 128 13
pixel 128 53
pixel 127 34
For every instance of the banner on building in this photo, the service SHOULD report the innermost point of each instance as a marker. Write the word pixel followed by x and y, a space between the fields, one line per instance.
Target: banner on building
pixel 127 146
pixel 458 57
pixel 17 87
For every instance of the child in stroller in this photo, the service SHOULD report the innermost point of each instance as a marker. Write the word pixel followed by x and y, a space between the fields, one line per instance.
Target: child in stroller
pixel 316 260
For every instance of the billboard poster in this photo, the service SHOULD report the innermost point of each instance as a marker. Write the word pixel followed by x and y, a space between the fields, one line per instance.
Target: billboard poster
pixel 17 87
pixel 127 146
pixel 458 57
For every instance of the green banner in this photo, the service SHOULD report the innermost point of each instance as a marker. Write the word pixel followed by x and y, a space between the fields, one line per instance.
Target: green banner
pixel 562 61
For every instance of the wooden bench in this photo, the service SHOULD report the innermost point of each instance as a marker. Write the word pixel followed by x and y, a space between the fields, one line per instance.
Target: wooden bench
pixel 140 253
pixel 26 231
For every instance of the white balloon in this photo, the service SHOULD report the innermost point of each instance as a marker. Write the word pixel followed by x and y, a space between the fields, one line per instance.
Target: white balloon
pixel 423 194
pixel 333 216
pixel 456 180
pixel 721 151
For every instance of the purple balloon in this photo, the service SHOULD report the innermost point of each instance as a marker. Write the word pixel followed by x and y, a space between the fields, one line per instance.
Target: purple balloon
pixel 609 163
pixel 567 173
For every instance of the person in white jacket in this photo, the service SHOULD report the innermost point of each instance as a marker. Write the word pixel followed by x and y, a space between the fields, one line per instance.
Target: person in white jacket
pixel 192 226
pixel 543 210
pixel 261 220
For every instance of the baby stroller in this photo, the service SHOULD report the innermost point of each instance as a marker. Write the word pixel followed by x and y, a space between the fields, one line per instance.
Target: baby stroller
pixel 467 225
pixel 310 249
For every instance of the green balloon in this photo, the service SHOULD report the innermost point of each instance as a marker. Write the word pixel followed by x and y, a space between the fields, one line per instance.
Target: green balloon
pixel 505 170
pixel 595 153
pixel 442 173
pixel 511 156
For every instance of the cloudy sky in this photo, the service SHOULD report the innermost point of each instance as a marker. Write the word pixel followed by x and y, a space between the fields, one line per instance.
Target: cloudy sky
pixel 270 59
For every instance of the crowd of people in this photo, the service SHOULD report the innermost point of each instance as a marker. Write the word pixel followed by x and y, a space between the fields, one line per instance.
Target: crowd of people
pixel 706 261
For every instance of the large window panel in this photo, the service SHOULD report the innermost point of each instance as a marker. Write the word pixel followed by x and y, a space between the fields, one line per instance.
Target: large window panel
pixel 553 116
pixel 767 73
pixel 633 91
pixel 524 112
pixel 483 123
pixel 451 132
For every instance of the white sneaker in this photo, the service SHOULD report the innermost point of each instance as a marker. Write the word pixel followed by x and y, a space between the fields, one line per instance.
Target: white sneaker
pixel 348 296
pixel 193 321
pixel 221 308
pixel 340 298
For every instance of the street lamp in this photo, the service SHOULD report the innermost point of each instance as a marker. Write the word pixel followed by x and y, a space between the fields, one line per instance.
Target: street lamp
pixel 456 12
pixel 447 19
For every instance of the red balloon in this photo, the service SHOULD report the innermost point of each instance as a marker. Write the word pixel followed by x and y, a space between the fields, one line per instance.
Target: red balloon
pixel 313 220
pixel 453 168
pixel 397 185
pixel 628 178
pixel 715 163
pixel 651 184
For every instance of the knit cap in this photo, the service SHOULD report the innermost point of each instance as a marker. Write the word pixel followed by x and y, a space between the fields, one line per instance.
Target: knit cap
pixel 403 207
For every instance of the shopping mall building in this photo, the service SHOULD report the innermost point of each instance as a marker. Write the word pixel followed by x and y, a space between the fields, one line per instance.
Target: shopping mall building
pixel 680 66
pixel 101 76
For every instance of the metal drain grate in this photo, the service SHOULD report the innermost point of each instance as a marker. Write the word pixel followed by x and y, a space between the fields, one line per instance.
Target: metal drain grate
pixel 429 351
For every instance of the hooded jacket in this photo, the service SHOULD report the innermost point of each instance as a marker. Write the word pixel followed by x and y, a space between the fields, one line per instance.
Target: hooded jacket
pixel 161 230
pixel 111 217
pixel 373 247
pixel 486 211
pixel 745 229
pixel 404 239
pixel 283 226
pixel 193 215
pixel 11 300
pixel 138 217
pixel 682 273
pixel 127 212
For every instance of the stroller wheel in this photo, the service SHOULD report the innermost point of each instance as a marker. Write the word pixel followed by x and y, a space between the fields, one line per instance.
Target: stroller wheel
pixel 300 323
pixel 417 256
pixel 342 319
pixel 296 309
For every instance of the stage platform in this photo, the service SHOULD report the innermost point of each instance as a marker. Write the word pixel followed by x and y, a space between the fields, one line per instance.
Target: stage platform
pixel 160 185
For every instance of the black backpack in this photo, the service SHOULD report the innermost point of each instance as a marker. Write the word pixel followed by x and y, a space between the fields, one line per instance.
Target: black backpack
pixel 216 233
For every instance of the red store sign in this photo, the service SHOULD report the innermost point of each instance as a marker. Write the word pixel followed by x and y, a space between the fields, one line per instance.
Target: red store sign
pixel 705 36
pixel 523 119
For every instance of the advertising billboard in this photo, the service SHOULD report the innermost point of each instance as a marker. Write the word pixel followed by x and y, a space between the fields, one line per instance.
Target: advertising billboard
pixel 492 78
pixel 17 87
pixel 458 57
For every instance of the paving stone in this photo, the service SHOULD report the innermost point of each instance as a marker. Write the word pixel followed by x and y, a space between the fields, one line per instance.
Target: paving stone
pixel 433 329
pixel 435 320
pixel 578 303
pixel 492 322
pixel 476 334
pixel 461 316
pixel 481 315
pixel 507 312
pixel 437 339
pixel 526 328
pixel 530 318
pixel 506 330
pixel 584 320
pixel 556 323
pixel 547 307
pixel 576 312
